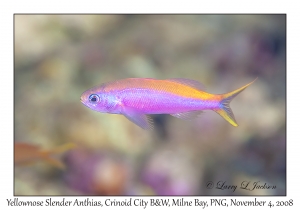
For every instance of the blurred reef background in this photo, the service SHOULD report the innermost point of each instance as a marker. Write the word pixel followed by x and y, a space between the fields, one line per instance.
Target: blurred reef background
pixel 58 57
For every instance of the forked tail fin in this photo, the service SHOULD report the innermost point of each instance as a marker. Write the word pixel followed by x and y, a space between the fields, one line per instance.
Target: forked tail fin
pixel 224 109
pixel 47 155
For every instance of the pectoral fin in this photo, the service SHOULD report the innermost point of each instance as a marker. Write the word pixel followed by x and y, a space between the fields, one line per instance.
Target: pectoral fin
pixel 139 119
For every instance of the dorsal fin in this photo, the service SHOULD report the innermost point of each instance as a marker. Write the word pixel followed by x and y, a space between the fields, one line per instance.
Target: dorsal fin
pixel 189 82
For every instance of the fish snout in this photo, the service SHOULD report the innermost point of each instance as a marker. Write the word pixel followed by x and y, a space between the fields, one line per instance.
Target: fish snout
pixel 83 98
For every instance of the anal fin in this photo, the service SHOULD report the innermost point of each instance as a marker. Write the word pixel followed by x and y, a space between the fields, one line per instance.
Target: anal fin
pixel 190 115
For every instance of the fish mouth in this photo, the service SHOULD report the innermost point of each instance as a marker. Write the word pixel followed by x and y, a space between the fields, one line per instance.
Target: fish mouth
pixel 82 101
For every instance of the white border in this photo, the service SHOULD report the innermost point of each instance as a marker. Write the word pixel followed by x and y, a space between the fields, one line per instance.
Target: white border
pixel 6 73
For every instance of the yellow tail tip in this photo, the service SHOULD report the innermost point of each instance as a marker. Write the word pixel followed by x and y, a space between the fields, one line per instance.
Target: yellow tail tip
pixel 224 110
pixel 228 117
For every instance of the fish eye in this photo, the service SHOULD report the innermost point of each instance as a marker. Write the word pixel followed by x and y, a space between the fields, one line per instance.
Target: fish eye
pixel 94 98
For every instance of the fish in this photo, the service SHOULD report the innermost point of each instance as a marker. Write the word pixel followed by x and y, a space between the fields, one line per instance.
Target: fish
pixel 137 98
pixel 27 154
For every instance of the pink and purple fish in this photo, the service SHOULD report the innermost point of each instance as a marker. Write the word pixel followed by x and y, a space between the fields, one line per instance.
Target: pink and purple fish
pixel 135 98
